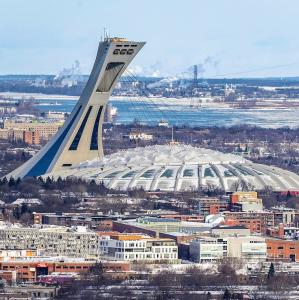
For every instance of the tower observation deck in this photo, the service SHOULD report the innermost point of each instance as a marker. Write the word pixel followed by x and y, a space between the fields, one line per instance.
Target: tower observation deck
pixel 80 138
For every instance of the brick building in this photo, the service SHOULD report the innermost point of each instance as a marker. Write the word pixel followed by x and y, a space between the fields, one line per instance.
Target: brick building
pixel 29 269
pixel 257 222
pixel 281 249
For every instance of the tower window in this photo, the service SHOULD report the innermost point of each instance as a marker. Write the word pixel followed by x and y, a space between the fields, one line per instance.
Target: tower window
pixel 110 74
pixel 77 138
pixel 95 131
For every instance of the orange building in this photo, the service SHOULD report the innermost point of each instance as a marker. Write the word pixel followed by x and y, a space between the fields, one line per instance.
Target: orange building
pixel 9 276
pixel 211 205
pixel 280 249
pixel 31 137
pixel 257 222
pixel 29 270
pixel 244 196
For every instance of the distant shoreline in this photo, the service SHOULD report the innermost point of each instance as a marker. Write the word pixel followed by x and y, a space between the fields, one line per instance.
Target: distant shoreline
pixel 267 104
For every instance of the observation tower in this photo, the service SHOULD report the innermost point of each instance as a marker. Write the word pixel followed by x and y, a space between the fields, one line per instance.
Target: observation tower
pixel 80 138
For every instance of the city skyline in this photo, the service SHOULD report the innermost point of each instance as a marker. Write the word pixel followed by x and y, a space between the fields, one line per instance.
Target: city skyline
pixel 49 36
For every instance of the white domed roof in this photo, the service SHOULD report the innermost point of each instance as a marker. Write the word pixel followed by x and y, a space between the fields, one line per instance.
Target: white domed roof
pixel 180 167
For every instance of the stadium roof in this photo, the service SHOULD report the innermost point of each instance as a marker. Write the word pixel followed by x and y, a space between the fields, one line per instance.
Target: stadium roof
pixel 178 168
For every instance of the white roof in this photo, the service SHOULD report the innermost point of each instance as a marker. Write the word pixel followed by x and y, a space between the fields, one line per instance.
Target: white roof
pixel 26 201
pixel 180 167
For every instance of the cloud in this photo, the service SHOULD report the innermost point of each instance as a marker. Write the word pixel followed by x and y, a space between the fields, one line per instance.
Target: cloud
pixel 153 70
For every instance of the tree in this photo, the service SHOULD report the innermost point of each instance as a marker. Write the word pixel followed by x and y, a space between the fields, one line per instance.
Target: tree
pixel 11 182
pixel 97 271
pixel 226 295
pixel 271 271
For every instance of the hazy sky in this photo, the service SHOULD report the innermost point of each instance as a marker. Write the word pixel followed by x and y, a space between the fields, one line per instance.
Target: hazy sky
pixel 224 36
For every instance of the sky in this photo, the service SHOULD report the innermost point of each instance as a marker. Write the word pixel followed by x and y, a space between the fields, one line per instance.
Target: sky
pixel 225 38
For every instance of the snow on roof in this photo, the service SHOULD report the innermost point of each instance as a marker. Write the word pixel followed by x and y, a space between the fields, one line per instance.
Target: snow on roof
pixel 180 168
pixel 21 201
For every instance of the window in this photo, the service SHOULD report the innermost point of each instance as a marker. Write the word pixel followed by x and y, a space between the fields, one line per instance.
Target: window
pixel 110 74
pixel 77 138
pixel 95 131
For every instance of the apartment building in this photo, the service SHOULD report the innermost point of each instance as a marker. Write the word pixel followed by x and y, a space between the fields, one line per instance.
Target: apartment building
pixel 72 242
pixel 257 222
pixel 46 130
pixel 212 205
pixel 246 201
pixel 134 247
pixel 284 215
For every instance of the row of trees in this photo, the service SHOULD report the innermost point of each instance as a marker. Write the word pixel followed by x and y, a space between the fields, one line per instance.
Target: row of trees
pixel 170 284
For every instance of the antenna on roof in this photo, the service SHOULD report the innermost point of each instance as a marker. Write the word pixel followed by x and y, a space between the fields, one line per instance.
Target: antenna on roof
pixel 106 36
pixel 105 33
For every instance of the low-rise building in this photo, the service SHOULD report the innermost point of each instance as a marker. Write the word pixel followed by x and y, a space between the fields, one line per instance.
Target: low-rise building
pixel 284 215
pixel 46 130
pixel 140 136
pixel 212 248
pixel 224 230
pixel 153 226
pixel 134 247
pixel 246 201
pixel 212 205
pixel 257 222
pixel 28 292
pixel 31 137
pixel 72 242
pixel 207 249
pixel 282 249
pixel 284 231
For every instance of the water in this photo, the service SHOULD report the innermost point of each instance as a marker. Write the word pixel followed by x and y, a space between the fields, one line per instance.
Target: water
pixel 149 113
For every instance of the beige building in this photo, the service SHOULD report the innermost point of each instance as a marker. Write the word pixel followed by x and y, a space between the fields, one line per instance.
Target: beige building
pixel 46 130
pixel 206 249
pixel 246 201
pixel 6 134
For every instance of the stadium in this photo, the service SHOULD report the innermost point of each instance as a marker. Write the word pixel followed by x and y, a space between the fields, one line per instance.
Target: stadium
pixel 180 168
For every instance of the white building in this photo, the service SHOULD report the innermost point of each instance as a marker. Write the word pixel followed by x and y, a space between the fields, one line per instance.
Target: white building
pixel 140 136
pixel 208 249
pixel 138 248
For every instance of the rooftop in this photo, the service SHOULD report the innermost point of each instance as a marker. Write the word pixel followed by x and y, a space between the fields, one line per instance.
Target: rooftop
pixel 179 168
